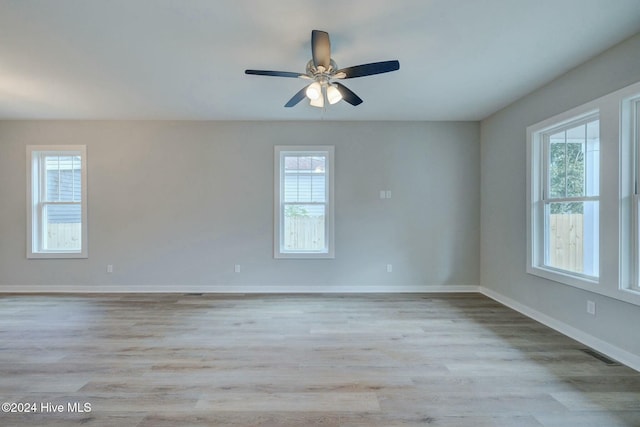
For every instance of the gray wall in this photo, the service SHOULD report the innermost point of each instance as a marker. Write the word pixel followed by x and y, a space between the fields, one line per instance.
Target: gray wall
pixel 503 186
pixel 174 205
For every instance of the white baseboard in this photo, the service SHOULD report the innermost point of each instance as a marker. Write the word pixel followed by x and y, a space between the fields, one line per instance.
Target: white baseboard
pixel 240 289
pixel 629 359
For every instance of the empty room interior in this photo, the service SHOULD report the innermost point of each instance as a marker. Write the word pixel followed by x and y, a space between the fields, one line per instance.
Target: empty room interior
pixel 353 213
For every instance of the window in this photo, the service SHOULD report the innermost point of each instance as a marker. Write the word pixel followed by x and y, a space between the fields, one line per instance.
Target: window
pixel 635 209
pixel 565 203
pixel 570 197
pixel 583 196
pixel 629 176
pixel 303 202
pixel 56 202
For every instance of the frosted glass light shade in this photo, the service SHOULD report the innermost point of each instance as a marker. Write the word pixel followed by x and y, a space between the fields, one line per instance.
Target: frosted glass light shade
pixel 333 95
pixel 318 102
pixel 314 91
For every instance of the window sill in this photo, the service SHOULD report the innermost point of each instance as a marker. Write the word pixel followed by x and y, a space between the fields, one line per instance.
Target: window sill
pixel 303 255
pixel 583 282
pixel 58 255
pixel 628 295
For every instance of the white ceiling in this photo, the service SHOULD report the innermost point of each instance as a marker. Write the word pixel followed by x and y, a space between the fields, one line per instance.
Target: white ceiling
pixel 185 59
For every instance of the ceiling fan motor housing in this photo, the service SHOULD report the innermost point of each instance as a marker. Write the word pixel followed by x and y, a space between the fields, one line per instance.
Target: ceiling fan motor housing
pixel 314 72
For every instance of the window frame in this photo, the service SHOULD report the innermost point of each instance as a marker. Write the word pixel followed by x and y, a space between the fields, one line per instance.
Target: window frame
pixel 279 204
pixel 629 175
pixel 539 197
pixel 632 107
pixel 35 202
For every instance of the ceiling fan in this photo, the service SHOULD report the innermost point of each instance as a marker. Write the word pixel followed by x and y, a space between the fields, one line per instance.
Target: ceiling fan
pixel 324 72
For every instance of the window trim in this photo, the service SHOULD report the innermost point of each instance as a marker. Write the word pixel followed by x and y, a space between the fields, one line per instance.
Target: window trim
pixel 279 151
pixel 537 197
pixel 34 218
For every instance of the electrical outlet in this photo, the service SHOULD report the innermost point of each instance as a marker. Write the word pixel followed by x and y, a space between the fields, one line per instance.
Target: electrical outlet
pixel 388 194
pixel 236 268
pixel 389 268
pixel 109 268
pixel 591 308
pixel 383 194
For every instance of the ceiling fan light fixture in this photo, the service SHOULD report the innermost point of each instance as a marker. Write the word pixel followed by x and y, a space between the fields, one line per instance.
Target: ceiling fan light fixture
pixel 323 71
pixel 333 94
pixel 314 91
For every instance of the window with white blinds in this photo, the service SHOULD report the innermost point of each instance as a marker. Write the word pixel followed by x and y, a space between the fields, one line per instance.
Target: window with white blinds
pixel 57 203
pixel 304 202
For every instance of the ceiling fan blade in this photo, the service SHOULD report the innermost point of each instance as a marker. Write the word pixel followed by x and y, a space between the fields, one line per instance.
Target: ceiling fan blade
pixel 369 69
pixel 321 48
pixel 274 73
pixel 348 95
pixel 297 97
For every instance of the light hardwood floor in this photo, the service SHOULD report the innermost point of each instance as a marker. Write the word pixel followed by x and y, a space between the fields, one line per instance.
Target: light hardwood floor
pixel 300 360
